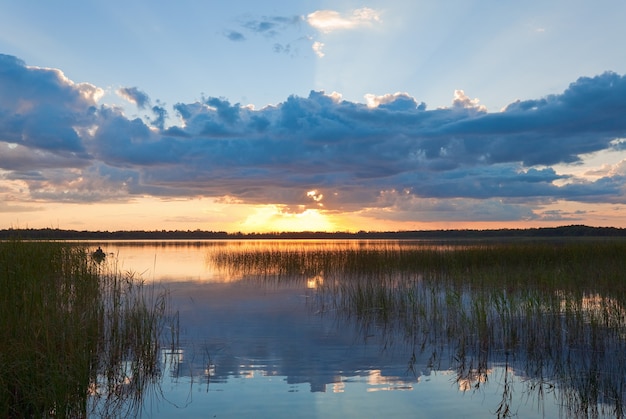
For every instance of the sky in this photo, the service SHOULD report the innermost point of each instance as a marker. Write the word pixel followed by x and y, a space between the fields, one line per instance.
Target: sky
pixel 312 115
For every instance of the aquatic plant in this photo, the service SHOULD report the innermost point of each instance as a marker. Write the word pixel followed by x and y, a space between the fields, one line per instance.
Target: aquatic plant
pixel 76 336
pixel 552 312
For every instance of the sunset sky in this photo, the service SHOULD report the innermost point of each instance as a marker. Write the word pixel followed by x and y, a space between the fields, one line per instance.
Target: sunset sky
pixel 312 115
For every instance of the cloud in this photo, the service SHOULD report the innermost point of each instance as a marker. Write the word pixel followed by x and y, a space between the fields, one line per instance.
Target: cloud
pixel 403 207
pixel 327 21
pixel 234 36
pixel 271 25
pixel 390 154
pixel 397 101
pixel 268 26
pixel 609 170
pixel 318 48
pixel 21 157
pixel 4 207
pixel 282 49
pixel 134 95
pixel 461 100
pixel 160 115
pixel 40 108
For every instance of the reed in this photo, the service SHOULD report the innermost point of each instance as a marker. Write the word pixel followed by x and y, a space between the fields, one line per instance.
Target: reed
pixel 75 336
pixel 552 311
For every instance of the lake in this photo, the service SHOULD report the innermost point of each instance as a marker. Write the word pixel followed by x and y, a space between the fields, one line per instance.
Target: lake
pixel 319 329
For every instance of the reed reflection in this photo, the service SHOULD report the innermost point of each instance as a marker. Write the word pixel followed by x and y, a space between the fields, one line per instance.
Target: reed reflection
pixel 547 316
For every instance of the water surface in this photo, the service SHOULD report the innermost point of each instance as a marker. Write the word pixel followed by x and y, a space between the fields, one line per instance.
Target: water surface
pixel 257 339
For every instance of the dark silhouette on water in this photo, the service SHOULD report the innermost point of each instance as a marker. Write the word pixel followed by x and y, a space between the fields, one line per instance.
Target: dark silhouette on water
pixel 99 255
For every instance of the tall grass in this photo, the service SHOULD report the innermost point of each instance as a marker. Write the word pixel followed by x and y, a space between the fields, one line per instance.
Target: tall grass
pixel 75 336
pixel 553 312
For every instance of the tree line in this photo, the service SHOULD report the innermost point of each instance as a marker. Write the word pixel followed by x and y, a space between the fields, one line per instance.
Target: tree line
pixel 460 234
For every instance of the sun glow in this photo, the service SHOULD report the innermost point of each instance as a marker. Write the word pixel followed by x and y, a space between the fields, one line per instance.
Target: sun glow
pixel 276 218
pixel 316 196
pixel 315 282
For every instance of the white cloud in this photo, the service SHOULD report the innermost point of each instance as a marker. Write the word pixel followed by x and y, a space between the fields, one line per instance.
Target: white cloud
pixel 318 48
pixel 327 21
pixel 461 100
pixel 618 169
pixel 374 101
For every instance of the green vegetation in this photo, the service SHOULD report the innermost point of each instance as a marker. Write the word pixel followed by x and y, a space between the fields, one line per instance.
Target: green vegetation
pixel 551 311
pixel 76 337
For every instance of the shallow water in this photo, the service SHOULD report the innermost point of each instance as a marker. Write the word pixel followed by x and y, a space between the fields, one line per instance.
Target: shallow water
pixel 266 348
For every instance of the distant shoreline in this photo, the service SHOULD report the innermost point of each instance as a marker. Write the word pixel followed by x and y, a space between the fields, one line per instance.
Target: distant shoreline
pixel 544 232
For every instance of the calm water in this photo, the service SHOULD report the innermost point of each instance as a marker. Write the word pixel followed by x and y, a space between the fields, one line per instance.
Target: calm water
pixel 253 345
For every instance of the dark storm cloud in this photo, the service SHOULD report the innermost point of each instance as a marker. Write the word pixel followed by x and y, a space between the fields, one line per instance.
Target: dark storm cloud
pixel 393 153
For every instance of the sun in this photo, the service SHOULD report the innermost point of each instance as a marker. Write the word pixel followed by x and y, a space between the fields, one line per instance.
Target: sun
pixel 275 218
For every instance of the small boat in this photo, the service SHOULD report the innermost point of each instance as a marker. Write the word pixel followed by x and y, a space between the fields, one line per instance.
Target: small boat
pixel 98 255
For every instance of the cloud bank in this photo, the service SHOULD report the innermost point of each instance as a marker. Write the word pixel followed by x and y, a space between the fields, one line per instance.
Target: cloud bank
pixel 389 157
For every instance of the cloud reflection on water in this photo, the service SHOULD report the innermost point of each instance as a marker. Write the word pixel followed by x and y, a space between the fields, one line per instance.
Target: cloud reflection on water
pixel 239 323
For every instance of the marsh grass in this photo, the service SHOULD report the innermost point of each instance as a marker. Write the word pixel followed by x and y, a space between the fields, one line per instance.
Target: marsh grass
pixel 551 311
pixel 76 337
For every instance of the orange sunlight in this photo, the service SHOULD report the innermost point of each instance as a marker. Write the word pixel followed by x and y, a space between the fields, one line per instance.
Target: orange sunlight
pixel 271 218
pixel 149 213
